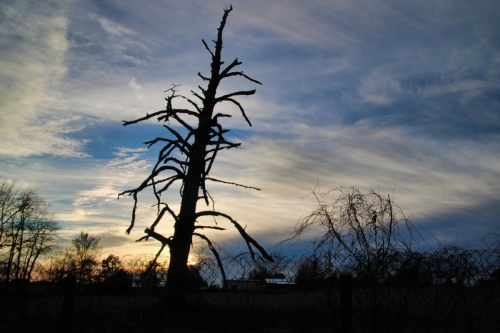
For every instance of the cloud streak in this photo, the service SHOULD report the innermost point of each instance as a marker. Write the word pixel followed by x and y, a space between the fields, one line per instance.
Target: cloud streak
pixel 401 97
pixel 33 39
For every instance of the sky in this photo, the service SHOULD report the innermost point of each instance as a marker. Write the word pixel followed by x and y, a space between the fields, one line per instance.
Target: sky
pixel 399 96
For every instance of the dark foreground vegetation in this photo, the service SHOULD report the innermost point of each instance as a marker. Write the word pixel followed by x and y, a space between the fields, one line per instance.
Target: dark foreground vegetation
pixel 369 270
pixel 451 289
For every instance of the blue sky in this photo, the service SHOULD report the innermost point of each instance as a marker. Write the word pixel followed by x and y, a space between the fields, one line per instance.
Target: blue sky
pixel 403 97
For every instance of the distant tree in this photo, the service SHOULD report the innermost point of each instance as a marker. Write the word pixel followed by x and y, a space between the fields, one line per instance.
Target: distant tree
pixel 411 269
pixel 458 266
pixel 82 257
pixel 194 280
pixel 264 269
pixel 152 275
pixel 188 155
pixel 115 280
pixel 110 266
pixel 118 284
pixel 138 265
pixel 27 231
pixel 313 273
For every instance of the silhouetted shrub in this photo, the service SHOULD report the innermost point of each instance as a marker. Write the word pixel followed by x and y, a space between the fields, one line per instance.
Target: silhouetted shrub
pixel 411 269
pixel 194 280
pixel 117 284
pixel 313 274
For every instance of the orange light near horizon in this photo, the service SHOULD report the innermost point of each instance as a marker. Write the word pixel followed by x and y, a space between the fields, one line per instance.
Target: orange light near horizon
pixel 192 260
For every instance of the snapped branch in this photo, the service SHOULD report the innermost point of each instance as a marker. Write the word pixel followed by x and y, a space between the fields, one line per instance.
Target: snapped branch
pixel 147 116
pixel 162 239
pixel 230 183
pixel 242 74
pixel 208 227
pixel 249 240
pixel 208 49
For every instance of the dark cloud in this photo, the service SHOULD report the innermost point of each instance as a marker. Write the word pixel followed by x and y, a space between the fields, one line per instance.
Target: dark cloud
pixel 464 226
pixel 401 96
pixel 108 240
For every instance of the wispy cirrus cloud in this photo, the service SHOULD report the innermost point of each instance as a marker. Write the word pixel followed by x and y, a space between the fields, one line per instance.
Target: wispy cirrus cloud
pixel 32 66
pixel 113 28
pixel 45 138
pixel 398 96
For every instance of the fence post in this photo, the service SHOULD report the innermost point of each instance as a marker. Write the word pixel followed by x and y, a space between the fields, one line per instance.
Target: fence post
pixel 69 283
pixel 346 303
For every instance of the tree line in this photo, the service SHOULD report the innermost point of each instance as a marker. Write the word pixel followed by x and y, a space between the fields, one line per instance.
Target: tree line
pixel 360 232
pixel 30 249
pixel 27 232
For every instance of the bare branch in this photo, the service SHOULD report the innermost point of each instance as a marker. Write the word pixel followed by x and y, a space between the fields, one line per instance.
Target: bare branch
pixel 249 240
pixel 147 116
pixel 160 216
pixel 170 180
pixel 182 122
pixel 183 111
pixel 178 136
pixel 209 227
pixel 242 74
pixel 217 257
pixel 208 49
pixel 228 98
pixel 224 73
pixel 218 43
pixel 162 239
pixel 230 183
pixel 133 213
pixel 173 142
pixel 142 238
pixel 220 115
pixel 195 94
pixel 173 159
pixel 203 77
pixel 193 104
pixel 236 93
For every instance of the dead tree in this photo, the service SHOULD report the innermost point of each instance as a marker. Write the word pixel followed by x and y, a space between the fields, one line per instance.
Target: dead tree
pixel 367 233
pixel 366 227
pixel 188 158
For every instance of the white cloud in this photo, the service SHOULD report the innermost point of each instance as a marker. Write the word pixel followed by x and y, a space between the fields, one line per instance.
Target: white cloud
pixel 47 138
pixel 113 28
pixel 469 89
pixel 136 88
pixel 114 177
pixel 380 89
pixel 33 42
pixel 429 178
pixel 308 55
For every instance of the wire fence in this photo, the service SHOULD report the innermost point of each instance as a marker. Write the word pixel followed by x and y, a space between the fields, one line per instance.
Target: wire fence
pixel 451 289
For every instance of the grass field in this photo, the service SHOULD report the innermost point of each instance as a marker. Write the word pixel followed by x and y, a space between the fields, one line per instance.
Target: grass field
pixel 432 309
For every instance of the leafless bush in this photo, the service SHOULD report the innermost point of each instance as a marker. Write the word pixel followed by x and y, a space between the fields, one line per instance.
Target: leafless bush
pixel 365 228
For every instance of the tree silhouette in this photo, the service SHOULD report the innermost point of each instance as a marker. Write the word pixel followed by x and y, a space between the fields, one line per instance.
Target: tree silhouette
pixel 368 227
pixel 27 232
pixel 110 266
pixel 82 257
pixel 188 155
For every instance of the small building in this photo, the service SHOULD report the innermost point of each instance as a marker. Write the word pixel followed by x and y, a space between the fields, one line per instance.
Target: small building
pixel 279 283
pixel 243 284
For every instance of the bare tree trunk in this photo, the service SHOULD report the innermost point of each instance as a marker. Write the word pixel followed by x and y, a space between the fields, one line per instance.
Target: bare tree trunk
pixel 200 147
pixel 185 226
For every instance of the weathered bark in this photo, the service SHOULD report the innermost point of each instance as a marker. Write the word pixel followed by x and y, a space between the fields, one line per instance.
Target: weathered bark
pixel 200 147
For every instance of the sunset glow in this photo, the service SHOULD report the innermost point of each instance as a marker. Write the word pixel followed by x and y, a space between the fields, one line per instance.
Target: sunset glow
pixel 401 97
